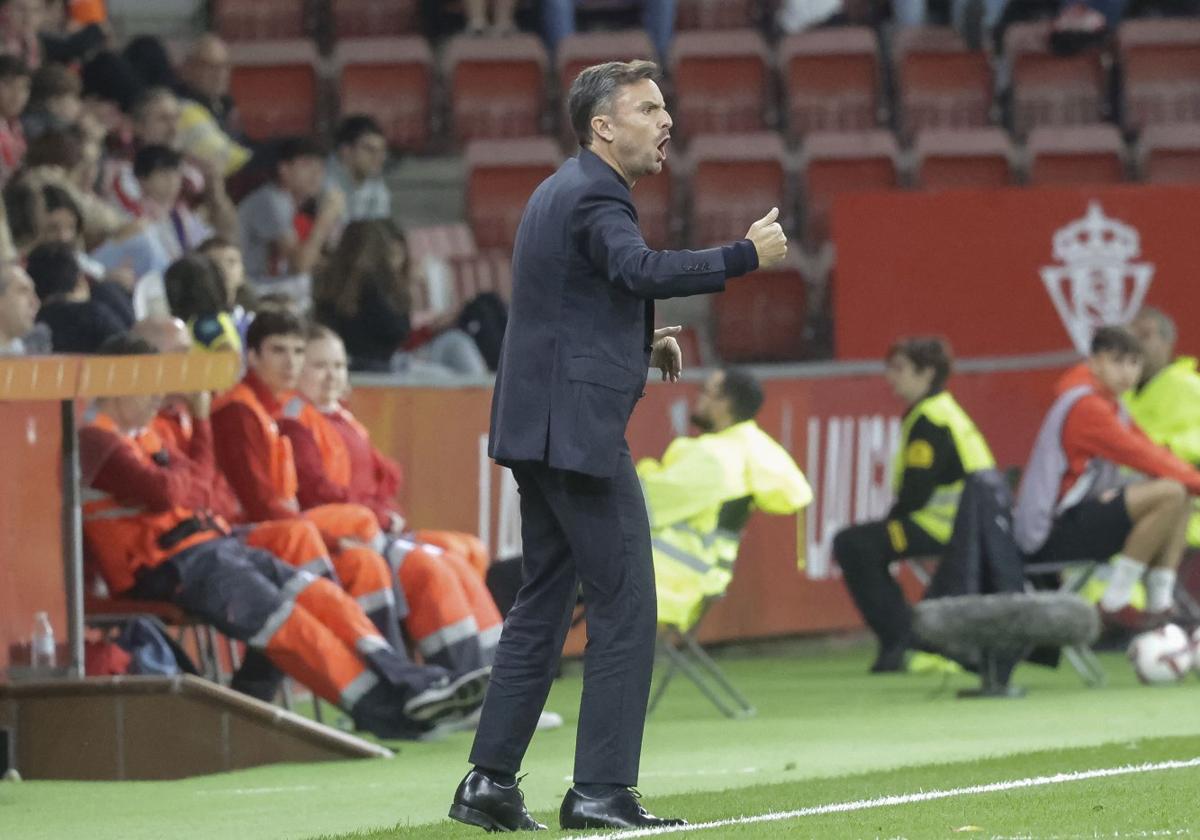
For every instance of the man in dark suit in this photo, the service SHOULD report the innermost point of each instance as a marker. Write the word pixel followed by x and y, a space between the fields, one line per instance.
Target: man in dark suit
pixel 579 340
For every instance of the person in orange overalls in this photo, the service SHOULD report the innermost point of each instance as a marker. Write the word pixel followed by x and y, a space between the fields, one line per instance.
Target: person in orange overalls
pixel 454 622
pixel 150 533
pixel 257 461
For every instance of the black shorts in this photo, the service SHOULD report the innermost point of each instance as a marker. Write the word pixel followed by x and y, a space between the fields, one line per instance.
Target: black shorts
pixel 1091 530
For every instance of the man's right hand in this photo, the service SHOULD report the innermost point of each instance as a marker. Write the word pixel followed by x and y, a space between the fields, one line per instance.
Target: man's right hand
pixel 200 404
pixel 331 204
pixel 768 239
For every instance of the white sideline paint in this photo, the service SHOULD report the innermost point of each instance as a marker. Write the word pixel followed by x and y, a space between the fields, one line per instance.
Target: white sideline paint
pixel 908 798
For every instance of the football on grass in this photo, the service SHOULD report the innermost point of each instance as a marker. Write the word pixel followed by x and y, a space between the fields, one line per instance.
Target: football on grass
pixel 1161 656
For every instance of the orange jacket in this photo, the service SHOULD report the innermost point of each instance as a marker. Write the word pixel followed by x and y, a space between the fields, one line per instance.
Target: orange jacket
pixel 1096 427
pixel 127 531
pixel 255 458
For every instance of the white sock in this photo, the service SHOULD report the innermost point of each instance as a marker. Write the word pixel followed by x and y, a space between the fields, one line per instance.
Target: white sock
pixel 1126 572
pixel 1160 590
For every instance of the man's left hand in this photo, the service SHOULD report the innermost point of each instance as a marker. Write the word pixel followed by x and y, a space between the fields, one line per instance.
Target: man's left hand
pixel 665 353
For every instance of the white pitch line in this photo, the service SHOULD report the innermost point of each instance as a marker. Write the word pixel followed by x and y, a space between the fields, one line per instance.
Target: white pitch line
pixel 908 798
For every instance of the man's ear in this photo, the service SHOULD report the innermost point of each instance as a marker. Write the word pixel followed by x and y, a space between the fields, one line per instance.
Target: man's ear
pixel 602 127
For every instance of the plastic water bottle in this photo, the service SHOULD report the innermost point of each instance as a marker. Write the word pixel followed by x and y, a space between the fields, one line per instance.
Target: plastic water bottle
pixel 43 648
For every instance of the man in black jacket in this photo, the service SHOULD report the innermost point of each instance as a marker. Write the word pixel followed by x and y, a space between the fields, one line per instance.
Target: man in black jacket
pixel 580 337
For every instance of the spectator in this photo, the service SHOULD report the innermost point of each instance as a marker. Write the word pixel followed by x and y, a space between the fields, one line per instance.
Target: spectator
pixel 939 446
pixel 196 295
pixel 54 101
pixel 259 466
pixel 78 323
pixel 149 529
pixel 1165 403
pixel 364 293
pixel 14 94
pixel 238 298
pixel 658 16
pixel 280 254
pixel 65 162
pixel 160 172
pixel 148 57
pixel 502 17
pixel 36 37
pixel 974 19
pixel 443 589
pixel 18 309
pixel 701 494
pixel 110 87
pixel 1076 504
pixel 208 125
pixel 356 168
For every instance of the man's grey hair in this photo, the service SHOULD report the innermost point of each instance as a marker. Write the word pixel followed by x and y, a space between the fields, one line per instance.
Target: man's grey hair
pixel 595 87
pixel 1164 322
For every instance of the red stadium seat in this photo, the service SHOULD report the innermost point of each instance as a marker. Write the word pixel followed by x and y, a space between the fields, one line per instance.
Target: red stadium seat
pixel 1087 154
pixel 275 86
pixel 735 180
pixel 975 157
pixel 1049 89
pixel 258 20
pixel 831 80
pixel 716 14
pixel 390 79
pixel 721 82
pixel 762 317
pixel 501 175
pixel 939 82
pixel 374 18
pixel 654 198
pixel 1170 154
pixel 1160 61
pixel 834 163
pixel 489 271
pixel 497 86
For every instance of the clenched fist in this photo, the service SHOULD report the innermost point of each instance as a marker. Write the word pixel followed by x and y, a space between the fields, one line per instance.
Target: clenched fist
pixel 768 239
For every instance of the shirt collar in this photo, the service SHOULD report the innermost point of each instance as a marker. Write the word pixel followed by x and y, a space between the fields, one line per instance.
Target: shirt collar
pixel 264 393
pixel 595 165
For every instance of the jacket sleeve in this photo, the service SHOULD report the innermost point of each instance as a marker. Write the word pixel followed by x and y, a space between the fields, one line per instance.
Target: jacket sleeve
pixel 313 485
pixel 605 226
pixel 115 469
pixel 242 455
pixel 692 483
pixel 930 459
pixel 1093 426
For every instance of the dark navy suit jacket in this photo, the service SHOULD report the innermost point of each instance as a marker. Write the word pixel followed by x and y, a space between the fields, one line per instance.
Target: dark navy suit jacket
pixel 577 346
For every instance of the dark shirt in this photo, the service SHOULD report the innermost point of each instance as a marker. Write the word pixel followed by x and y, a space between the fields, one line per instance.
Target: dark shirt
pixel 373 334
pixel 114 297
pixel 79 326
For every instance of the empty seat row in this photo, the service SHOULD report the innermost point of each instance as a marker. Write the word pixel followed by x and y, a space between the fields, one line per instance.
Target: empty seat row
pixel 724 182
pixel 727 82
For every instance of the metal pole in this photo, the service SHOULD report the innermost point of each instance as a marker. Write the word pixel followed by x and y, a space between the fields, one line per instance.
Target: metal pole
pixel 72 540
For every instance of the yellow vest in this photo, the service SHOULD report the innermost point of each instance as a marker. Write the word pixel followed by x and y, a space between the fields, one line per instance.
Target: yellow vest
pixel 1167 409
pixel 937 517
pixel 685 494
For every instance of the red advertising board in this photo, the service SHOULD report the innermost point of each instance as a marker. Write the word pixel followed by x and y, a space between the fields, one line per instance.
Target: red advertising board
pixel 1010 271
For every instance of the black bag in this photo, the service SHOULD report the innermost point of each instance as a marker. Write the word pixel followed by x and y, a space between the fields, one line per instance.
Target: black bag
pixel 484 318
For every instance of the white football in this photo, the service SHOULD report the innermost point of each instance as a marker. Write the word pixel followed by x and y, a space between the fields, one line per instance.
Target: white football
pixel 1161 656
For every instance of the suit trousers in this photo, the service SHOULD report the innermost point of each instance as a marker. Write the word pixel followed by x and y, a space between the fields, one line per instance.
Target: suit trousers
pixel 577 529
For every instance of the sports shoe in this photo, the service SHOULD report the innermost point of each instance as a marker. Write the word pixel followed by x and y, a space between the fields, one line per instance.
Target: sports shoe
pixel 449 699
pixel 1129 617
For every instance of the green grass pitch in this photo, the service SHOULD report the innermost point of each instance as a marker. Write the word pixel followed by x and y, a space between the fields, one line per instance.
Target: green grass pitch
pixel 826 733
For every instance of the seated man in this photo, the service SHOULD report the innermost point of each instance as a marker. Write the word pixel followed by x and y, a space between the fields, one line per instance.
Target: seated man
pixel 1165 403
pixel 939 447
pixel 257 461
pixel 452 620
pixel 148 530
pixel 702 492
pixel 1074 502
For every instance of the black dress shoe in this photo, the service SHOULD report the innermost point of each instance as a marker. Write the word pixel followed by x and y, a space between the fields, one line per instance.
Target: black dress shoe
pixel 482 802
pixel 619 809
